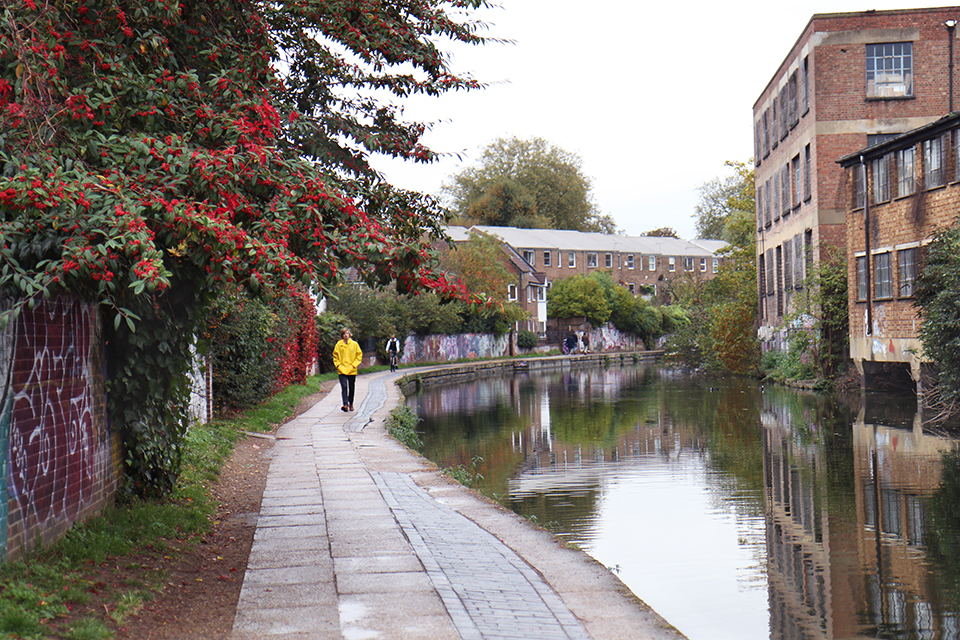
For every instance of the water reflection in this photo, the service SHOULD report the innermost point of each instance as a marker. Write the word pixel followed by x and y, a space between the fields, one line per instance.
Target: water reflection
pixel 735 511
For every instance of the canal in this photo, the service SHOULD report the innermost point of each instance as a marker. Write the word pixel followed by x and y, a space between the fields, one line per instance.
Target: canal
pixel 736 511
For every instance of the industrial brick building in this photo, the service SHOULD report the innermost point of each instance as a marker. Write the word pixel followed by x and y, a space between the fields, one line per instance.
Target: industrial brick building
pixel 898 194
pixel 850 81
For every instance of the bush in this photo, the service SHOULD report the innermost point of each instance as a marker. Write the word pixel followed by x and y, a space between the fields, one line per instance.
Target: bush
pixel 527 339
pixel 244 351
pixel 402 425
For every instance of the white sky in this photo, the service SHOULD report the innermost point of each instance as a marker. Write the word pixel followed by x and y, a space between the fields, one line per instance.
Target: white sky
pixel 653 96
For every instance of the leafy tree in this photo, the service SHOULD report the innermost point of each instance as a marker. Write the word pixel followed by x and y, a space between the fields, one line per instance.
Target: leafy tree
pixel 720 332
pixel 938 298
pixel 511 172
pixel 479 263
pixel 151 154
pixel 662 232
pixel 577 296
pixel 723 198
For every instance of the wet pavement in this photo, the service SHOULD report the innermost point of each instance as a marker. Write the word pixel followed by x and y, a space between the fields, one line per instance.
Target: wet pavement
pixel 360 538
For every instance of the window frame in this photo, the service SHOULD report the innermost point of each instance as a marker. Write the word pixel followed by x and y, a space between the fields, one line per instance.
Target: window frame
pixel 908 262
pixel 608 260
pixel 512 292
pixel 593 259
pixel 862 265
pixel 547 258
pixel 571 259
pixel 906 171
pixel 530 256
pixel 934 159
pixel 881 178
pixel 883 275
pixel 630 261
pixel 672 264
pixel 893 59
pixel 652 263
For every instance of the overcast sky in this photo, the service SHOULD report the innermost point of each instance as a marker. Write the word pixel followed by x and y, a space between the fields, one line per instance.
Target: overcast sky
pixel 653 96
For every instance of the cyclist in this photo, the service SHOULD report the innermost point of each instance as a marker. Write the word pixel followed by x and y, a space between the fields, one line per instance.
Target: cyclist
pixel 393 350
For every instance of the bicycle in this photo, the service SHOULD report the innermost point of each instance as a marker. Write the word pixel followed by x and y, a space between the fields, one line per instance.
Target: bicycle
pixel 393 362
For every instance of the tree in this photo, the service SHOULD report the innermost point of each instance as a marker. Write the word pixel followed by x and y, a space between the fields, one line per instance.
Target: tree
pixel 578 296
pixel 938 298
pixel 150 155
pixel 479 263
pixel 662 232
pixel 721 334
pixel 527 168
pixel 723 199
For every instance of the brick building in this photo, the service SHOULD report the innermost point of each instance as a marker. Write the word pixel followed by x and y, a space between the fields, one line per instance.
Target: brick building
pixel 645 265
pixel 850 80
pixel 898 194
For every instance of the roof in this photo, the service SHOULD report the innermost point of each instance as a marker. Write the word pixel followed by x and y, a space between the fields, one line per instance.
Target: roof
pixel 902 141
pixel 566 240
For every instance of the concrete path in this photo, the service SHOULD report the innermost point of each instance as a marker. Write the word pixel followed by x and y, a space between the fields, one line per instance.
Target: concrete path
pixel 360 538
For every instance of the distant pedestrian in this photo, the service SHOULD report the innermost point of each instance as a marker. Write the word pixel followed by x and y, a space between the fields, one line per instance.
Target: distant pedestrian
pixel 347 357
pixel 393 351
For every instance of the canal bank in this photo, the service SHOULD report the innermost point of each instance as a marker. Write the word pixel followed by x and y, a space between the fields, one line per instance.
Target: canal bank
pixel 360 537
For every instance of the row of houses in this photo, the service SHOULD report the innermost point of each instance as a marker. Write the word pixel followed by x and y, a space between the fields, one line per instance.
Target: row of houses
pixel 646 265
pixel 855 153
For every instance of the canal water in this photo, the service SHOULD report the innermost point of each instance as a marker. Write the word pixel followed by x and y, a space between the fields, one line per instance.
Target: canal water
pixel 736 511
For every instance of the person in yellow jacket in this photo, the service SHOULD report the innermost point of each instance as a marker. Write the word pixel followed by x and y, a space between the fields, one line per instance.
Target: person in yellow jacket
pixel 347 356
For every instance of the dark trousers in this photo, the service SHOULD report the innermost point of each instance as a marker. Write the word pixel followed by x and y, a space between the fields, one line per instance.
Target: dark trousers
pixel 347 386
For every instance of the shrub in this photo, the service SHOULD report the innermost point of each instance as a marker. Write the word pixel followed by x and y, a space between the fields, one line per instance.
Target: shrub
pixel 402 425
pixel 527 339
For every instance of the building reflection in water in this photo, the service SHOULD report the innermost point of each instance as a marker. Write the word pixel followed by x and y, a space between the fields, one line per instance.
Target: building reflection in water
pixel 836 574
pixel 833 503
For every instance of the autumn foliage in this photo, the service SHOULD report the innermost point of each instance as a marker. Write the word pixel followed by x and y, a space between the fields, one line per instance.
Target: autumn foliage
pixel 153 152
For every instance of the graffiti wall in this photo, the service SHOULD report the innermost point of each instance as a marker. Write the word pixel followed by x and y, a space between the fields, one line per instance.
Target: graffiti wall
pixel 60 463
pixel 444 348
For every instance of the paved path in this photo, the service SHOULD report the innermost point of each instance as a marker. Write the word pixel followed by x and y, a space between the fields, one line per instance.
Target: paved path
pixel 358 538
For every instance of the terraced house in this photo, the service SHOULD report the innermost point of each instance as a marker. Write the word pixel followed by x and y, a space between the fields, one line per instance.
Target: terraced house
pixel 647 266
pixel 850 81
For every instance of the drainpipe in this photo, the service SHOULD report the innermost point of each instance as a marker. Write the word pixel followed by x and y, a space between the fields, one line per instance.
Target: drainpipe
pixel 866 244
pixel 951 24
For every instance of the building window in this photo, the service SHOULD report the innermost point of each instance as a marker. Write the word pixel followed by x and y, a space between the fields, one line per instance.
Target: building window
pixel 652 263
pixel 956 154
pixel 767 198
pixel 766 133
pixel 511 292
pixel 785 189
pixel 768 273
pixel 881 179
pixel 546 258
pixel 776 196
pixel 797 182
pixel 798 261
pixel 672 264
pixel 571 259
pixel 933 161
pixel 630 263
pixel 794 99
pixel 608 260
pixel 859 186
pixel 905 171
pixel 805 87
pixel 883 276
pixel 806 173
pixel 890 70
pixel 907 258
pixel 592 259
pixel 774 138
pixel 689 264
pixel 861 277
pixel 703 265
pixel 716 264
pixel 632 288
pixel 529 257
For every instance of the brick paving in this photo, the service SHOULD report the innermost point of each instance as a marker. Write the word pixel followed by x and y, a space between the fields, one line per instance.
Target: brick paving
pixel 348 545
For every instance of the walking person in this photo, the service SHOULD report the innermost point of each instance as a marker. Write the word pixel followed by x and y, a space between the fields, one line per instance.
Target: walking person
pixel 393 351
pixel 347 357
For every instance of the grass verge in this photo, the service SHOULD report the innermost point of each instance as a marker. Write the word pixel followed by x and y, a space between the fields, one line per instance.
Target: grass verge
pixel 39 593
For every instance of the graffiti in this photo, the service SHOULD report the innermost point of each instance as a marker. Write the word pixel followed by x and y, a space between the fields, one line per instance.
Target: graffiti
pixel 444 348
pixel 59 454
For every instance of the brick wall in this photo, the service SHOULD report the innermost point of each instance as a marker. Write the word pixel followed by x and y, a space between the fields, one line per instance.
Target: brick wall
pixel 60 460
